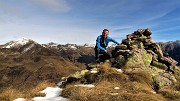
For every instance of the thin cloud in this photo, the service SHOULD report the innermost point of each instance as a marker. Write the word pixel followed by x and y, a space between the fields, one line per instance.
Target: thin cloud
pixel 145 12
pixel 173 15
pixel 7 9
pixel 168 29
pixel 54 5
pixel 122 29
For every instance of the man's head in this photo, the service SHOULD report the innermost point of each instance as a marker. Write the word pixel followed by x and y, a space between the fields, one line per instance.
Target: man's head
pixel 105 33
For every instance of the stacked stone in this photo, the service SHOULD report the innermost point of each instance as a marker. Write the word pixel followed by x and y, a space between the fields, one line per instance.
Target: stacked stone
pixel 141 40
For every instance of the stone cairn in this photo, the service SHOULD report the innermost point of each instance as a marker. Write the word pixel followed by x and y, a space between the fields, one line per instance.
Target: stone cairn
pixel 138 41
pixel 139 53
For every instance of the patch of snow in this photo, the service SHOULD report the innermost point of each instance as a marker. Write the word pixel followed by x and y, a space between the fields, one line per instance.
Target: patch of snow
pixel 20 99
pixel 113 93
pixel 94 71
pixel 73 47
pixel 52 94
pixel 22 40
pixel 116 88
pixel 9 46
pixel 120 70
pixel 51 44
pixel 44 46
pixel 28 48
pixel 50 99
pixel 85 85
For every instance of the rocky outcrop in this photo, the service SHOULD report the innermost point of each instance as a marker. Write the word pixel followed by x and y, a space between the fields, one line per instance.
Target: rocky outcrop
pixel 138 52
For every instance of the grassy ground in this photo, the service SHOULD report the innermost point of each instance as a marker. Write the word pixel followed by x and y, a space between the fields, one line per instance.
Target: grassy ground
pixel 10 94
pixel 110 85
pixel 16 76
pixel 136 86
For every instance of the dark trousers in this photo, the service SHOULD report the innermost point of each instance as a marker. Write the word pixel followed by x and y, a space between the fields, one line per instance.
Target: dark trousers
pixel 101 55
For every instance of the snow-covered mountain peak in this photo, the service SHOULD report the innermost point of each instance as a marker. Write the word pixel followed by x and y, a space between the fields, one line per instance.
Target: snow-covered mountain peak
pixel 20 42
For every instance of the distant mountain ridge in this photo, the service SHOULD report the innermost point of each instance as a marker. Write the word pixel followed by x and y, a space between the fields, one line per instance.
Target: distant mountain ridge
pixel 172 48
pixel 70 52
pixel 77 53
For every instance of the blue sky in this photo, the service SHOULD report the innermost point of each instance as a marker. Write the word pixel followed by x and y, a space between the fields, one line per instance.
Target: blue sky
pixel 81 21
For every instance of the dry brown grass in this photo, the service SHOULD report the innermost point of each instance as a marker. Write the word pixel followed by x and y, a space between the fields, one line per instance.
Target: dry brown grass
pixel 102 91
pixel 10 94
pixel 170 94
pixel 142 77
pixel 108 73
pixel 135 86
pixel 36 90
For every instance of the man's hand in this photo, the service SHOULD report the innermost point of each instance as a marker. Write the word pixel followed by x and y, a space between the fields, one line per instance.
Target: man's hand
pixel 105 51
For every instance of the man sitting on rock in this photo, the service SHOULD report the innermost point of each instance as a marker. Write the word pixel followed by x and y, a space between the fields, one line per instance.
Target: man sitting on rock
pixel 101 44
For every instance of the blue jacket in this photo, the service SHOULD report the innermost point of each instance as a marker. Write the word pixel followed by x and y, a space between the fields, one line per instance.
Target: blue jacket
pixel 102 44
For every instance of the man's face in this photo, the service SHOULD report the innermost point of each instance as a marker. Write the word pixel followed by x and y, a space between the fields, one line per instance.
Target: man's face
pixel 105 34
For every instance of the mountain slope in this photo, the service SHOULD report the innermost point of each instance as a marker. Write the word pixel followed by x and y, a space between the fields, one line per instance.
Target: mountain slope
pixel 29 63
pixel 172 48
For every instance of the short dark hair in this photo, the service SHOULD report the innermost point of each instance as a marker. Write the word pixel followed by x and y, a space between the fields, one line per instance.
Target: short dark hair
pixel 105 30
